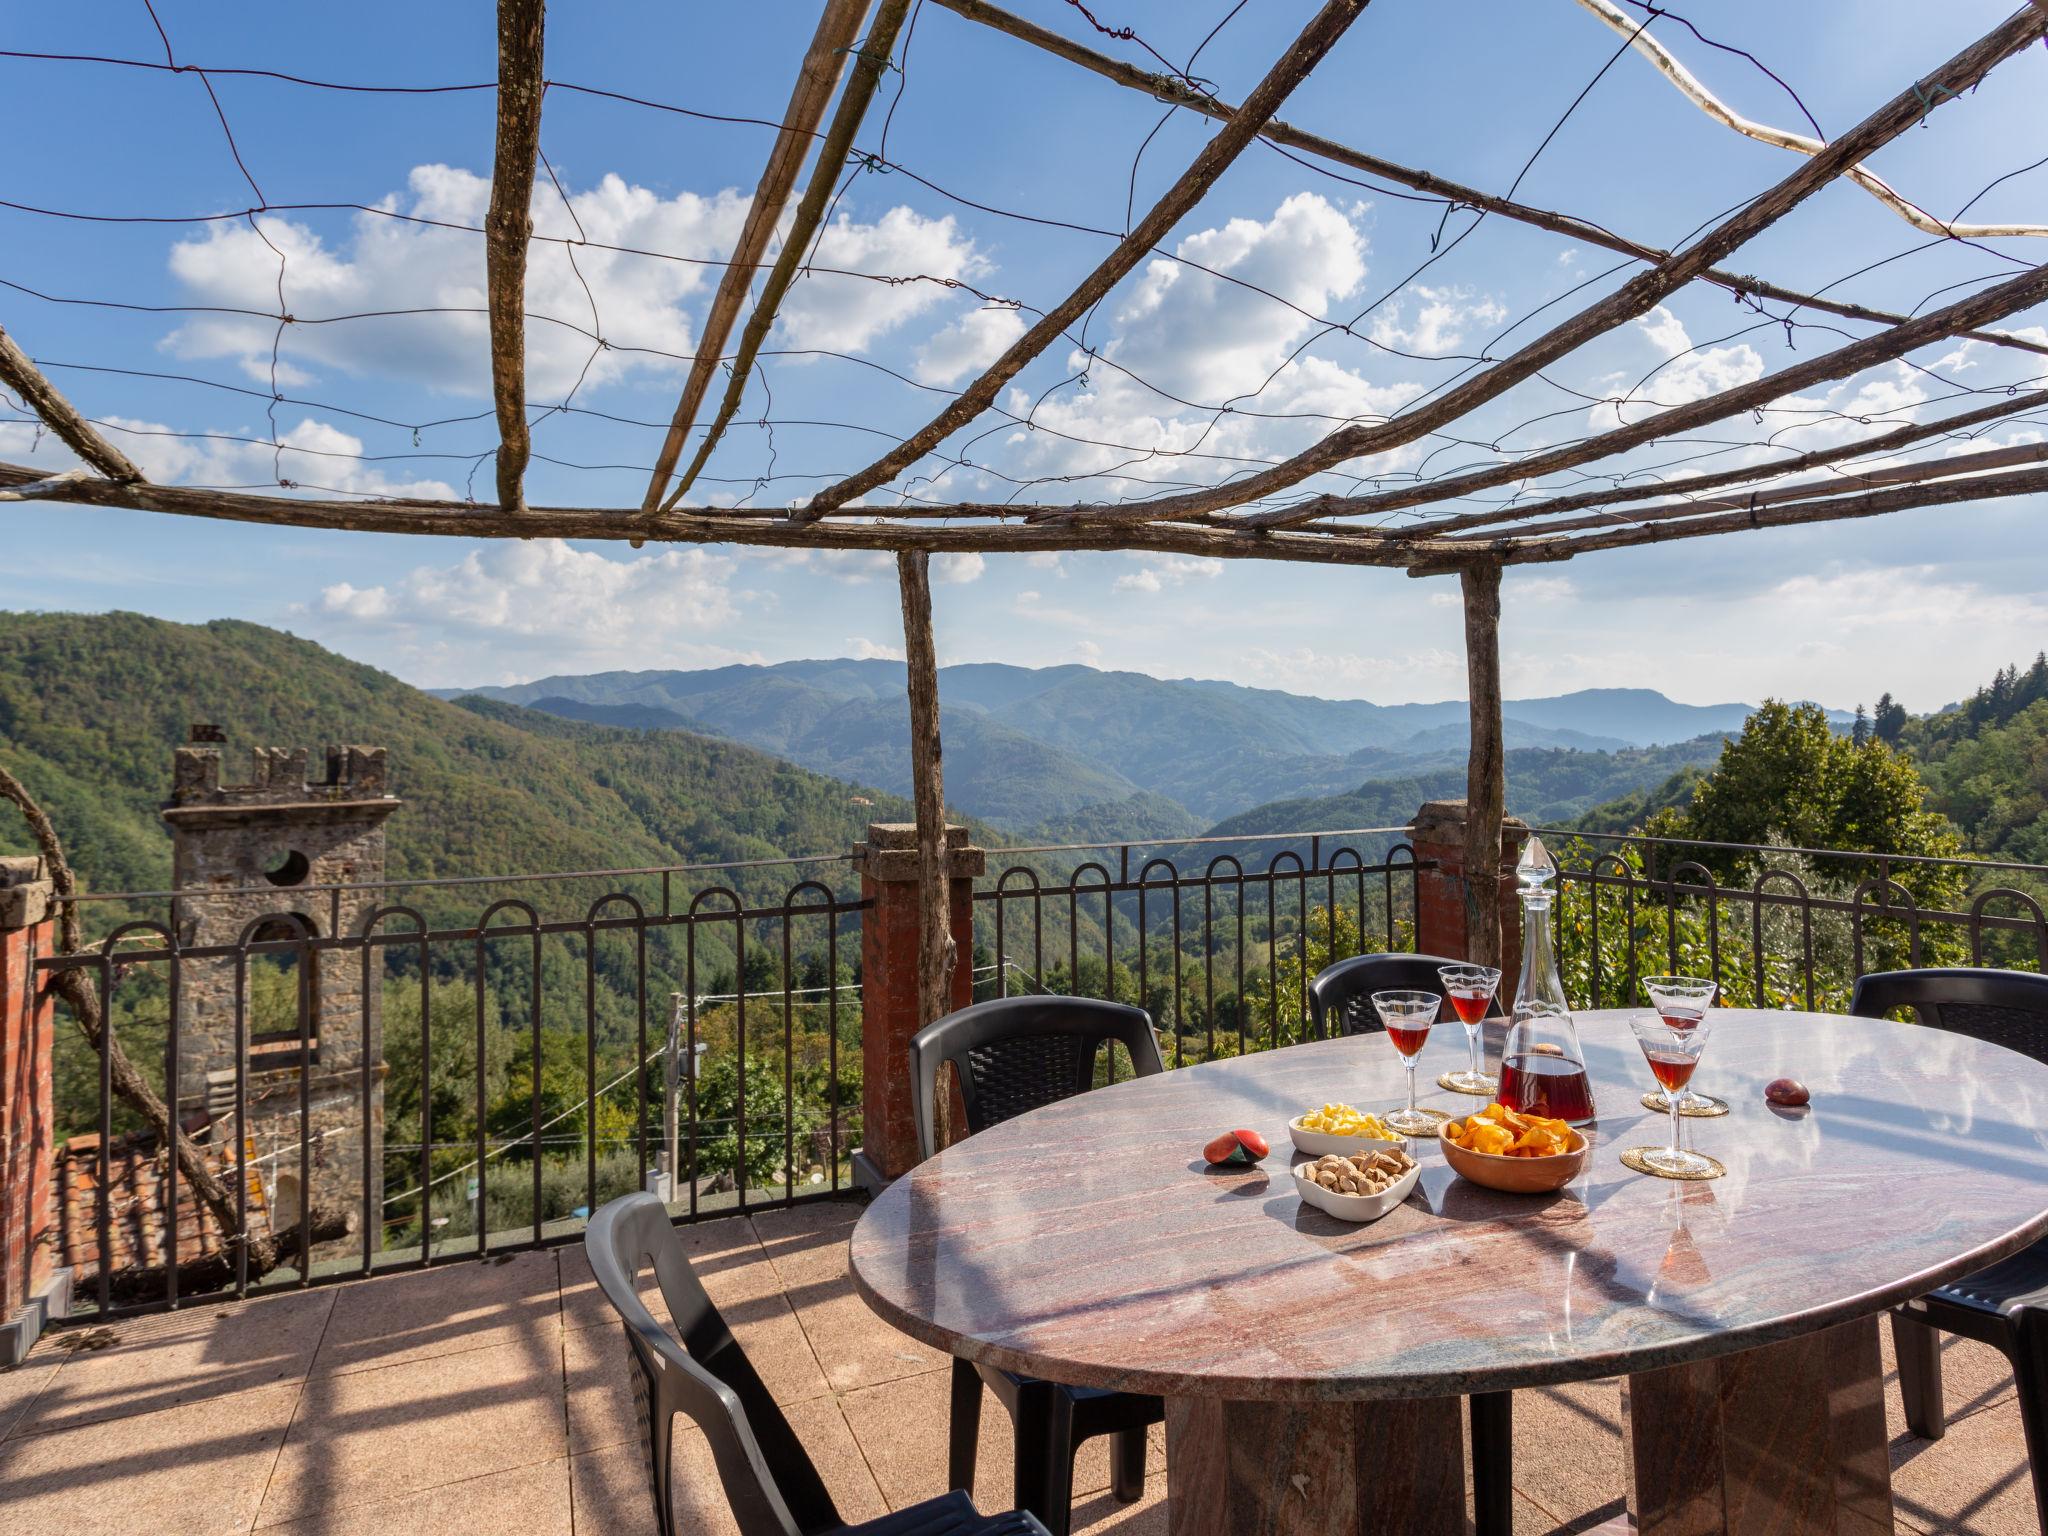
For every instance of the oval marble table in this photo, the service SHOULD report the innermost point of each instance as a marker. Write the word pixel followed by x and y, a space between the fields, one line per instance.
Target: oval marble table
pixel 1086 1242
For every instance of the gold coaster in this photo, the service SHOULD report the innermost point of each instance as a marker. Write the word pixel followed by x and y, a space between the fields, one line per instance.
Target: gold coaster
pixel 1447 1083
pixel 1633 1159
pixel 1436 1116
pixel 1710 1108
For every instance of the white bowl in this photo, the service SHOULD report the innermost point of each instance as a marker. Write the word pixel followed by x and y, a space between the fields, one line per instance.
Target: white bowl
pixel 1354 1207
pixel 1317 1143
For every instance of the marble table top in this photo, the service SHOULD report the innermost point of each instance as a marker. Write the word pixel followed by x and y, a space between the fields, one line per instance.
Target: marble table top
pixel 1087 1242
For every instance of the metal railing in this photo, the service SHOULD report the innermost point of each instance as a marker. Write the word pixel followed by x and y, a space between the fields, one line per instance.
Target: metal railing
pixel 1148 923
pixel 458 1083
pixel 1781 926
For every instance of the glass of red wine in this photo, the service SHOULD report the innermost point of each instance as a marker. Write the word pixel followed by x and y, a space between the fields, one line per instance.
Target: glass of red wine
pixel 1407 1017
pixel 1470 989
pixel 1682 1002
pixel 1673 1054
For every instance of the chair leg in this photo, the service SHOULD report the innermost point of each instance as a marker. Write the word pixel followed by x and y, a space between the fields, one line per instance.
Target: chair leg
pixel 1127 1465
pixel 1493 1493
pixel 963 1437
pixel 657 1421
pixel 2030 1373
pixel 1918 1347
pixel 1045 1456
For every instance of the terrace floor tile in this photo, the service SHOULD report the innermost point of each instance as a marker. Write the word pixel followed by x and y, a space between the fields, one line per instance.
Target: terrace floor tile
pixel 159 1360
pixel 363 1436
pixel 21 1384
pixel 197 1469
pixel 532 1501
pixel 464 1304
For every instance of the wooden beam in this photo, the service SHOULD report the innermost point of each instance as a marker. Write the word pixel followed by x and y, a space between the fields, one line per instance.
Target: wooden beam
pixel 1179 93
pixel 935 947
pixel 1635 297
pixel 1805 490
pixel 2029 482
pixel 507 230
pixel 1485 764
pixel 820 72
pixel 1688 485
pixel 22 376
pixel 2013 295
pixel 459 519
pixel 1315 41
pixel 870 62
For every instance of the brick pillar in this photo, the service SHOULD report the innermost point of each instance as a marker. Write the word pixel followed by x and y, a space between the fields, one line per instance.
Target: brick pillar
pixel 27 1269
pixel 887 862
pixel 1438 836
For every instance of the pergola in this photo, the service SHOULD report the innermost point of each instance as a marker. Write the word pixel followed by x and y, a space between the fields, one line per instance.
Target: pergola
pixel 1249 516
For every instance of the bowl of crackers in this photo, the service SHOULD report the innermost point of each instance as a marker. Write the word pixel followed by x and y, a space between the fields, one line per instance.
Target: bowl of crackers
pixel 1363 1186
pixel 1343 1130
pixel 1504 1149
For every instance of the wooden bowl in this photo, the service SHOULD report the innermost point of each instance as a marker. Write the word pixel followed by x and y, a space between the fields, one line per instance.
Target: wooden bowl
pixel 1516 1175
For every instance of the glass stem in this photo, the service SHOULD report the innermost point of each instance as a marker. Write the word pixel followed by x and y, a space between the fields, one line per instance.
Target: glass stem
pixel 1671 1097
pixel 1411 1090
pixel 1472 1046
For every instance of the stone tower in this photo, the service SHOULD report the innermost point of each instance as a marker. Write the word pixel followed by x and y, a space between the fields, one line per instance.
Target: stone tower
pixel 279 856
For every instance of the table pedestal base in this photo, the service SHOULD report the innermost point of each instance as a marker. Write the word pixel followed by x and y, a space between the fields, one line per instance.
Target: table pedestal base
pixel 1787 1439
pixel 1315 1469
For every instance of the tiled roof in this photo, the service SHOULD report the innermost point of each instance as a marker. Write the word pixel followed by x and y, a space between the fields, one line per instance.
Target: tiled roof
pixel 138 1182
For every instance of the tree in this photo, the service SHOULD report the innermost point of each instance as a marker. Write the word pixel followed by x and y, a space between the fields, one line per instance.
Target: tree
pixel 1790 780
pixel 1860 732
pixel 1890 720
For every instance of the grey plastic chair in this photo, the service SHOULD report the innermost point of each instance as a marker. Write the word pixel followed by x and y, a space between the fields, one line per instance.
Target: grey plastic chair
pixel 2005 1306
pixel 1009 1056
pixel 768 1480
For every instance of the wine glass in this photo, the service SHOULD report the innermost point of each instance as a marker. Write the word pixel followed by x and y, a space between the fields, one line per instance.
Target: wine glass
pixel 1683 1001
pixel 1673 1054
pixel 1470 989
pixel 1407 1017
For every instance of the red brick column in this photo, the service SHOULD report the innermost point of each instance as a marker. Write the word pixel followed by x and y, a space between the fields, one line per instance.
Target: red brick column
pixel 887 862
pixel 1438 836
pixel 27 931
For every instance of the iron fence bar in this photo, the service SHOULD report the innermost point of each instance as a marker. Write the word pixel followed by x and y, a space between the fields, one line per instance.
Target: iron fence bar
pixel 103 1197
pixel 1814 853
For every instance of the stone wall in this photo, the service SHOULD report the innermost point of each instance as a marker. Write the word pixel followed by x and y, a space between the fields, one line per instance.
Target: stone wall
pixel 27 931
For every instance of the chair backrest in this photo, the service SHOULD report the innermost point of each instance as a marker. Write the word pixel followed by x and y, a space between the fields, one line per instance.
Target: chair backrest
pixel 2008 1008
pixel 701 1372
pixel 1360 977
pixel 1018 1053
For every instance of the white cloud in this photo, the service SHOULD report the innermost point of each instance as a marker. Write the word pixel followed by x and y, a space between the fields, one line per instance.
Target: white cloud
pixel 642 301
pixel 968 345
pixel 313 454
pixel 1426 672
pixel 584 606
pixel 1684 376
pixel 1161 572
pixel 959 569
pixel 1443 317
pixel 861 648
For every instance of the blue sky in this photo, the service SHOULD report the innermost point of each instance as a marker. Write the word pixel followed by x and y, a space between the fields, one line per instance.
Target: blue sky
pixel 1925 604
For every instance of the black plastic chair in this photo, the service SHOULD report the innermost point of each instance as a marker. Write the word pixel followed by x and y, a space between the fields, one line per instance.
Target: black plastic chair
pixel 769 1482
pixel 1492 1413
pixel 1009 1056
pixel 1361 976
pixel 2005 1306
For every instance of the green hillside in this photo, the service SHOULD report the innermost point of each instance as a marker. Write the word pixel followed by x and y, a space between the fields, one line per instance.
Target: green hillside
pixel 91 707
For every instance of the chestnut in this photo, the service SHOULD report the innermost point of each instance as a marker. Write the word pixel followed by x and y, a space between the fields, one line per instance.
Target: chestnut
pixel 1786 1092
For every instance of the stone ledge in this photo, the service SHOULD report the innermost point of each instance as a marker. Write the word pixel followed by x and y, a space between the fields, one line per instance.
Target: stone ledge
pixel 25 895
pixel 890 853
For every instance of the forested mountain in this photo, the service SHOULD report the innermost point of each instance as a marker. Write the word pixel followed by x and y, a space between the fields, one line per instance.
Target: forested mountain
pixel 1985 762
pixel 92 706
pixel 1028 747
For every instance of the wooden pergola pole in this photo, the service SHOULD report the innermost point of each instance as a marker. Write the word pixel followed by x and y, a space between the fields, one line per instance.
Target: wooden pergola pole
pixel 1485 767
pixel 508 228
pixel 935 950
pixel 22 376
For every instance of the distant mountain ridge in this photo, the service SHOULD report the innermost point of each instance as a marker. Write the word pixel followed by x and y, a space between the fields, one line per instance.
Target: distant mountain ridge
pixel 1029 747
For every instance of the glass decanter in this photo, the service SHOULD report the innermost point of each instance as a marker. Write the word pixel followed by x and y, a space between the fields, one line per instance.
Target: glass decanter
pixel 1542 1068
